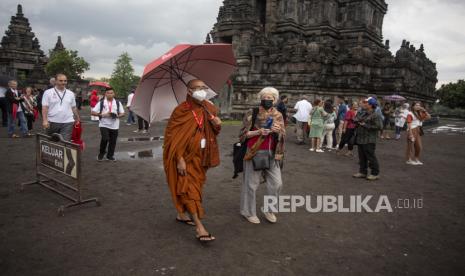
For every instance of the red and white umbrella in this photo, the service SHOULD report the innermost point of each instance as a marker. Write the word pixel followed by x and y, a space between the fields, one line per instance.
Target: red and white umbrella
pixel 100 84
pixel 163 84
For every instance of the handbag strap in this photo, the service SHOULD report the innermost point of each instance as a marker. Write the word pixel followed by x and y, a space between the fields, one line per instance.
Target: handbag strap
pixel 254 117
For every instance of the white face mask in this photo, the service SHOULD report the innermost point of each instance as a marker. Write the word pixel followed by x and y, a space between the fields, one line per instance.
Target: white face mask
pixel 200 95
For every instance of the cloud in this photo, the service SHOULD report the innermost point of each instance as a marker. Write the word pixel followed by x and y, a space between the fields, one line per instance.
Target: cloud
pixel 104 52
pixel 102 30
pixel 436 24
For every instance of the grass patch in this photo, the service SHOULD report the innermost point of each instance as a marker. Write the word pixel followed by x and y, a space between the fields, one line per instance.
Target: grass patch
pixel 231 122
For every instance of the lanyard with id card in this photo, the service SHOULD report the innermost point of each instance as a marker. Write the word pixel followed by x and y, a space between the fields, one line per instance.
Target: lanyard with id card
pixel 60 97
pixel 203 141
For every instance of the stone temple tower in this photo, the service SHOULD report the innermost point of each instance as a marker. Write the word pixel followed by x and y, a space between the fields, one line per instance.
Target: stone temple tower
pixel 321 48
pixel 20 55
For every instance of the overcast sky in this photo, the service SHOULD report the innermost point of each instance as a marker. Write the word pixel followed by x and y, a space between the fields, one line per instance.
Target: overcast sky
pixel 101 30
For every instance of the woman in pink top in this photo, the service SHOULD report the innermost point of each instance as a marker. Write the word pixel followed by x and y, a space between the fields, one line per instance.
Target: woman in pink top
pixel 348 131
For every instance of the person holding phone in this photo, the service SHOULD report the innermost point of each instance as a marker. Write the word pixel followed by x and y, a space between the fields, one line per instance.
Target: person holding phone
pixel 265 149
pixel 109 110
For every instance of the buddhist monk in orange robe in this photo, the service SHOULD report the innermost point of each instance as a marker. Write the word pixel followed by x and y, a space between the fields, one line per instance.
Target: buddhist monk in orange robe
pixel 190 149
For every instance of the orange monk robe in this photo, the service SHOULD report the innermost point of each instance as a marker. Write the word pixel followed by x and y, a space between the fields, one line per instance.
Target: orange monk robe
pixel 183 136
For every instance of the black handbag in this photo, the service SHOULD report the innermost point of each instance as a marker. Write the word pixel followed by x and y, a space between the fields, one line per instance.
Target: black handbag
pixel 240 149
pixel 262 160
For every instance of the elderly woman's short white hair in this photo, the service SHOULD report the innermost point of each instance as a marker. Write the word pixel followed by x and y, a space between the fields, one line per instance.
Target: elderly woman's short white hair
pixel 269 91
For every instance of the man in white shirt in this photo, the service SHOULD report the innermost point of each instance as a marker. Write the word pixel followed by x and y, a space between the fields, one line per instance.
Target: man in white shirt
pixel 59 110
pixel 303 109
pixel 109 110
pixel 131 120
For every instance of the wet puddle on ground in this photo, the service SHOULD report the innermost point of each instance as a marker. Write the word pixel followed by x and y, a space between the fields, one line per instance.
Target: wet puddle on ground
pixel 148 154
pixel 447 129
pixel 141 139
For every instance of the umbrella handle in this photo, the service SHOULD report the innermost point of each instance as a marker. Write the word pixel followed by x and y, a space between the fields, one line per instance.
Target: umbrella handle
pixel 209 113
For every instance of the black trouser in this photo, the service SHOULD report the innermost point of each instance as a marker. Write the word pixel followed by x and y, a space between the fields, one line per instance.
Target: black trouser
pixel 367 158
pixel 4 106
pixel 345 139
pixel 336 124
pixel 143 124
pixel 30 121
pixel 109 137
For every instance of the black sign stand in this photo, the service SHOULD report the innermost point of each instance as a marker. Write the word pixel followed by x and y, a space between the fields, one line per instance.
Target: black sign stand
pixel 45 180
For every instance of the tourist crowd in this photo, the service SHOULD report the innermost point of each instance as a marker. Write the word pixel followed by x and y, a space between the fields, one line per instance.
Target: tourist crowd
pixel 326 125
pixel 334 125
pixel 190 146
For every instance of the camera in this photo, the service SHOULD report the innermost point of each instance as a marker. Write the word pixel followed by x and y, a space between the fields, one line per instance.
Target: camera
pixel 113 115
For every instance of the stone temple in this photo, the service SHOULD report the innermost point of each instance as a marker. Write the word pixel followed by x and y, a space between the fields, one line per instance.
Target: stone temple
pixel 22 59
pixel 321 48
pixel 20 55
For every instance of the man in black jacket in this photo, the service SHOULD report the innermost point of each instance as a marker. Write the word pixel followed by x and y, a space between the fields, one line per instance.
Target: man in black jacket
pixel 15 110
pixel 3 106
pixel 369 123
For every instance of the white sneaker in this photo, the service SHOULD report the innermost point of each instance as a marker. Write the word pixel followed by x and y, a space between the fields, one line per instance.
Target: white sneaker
pixel 410 162
pixel 320 150
pixel 136 131
pixel 418 162
pixel 253 219
pixel 144 131
pixel 312 149
pixel 270 217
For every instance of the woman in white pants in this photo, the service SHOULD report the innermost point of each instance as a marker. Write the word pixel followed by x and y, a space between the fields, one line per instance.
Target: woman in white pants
pixel 329 125
pixel 264 136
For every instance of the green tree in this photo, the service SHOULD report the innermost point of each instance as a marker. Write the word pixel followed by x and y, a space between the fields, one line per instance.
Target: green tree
pixel 123 78
pixel 135 81
pixel 67 62
pixel 452 94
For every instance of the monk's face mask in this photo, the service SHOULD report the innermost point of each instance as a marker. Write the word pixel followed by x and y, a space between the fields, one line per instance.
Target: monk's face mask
pixel 199 95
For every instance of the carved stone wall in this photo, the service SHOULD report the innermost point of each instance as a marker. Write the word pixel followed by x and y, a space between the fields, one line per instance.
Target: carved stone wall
pixel 320 48
pixel 20 55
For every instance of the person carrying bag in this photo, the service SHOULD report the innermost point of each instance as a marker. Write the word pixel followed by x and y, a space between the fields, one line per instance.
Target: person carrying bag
pixel 264 153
